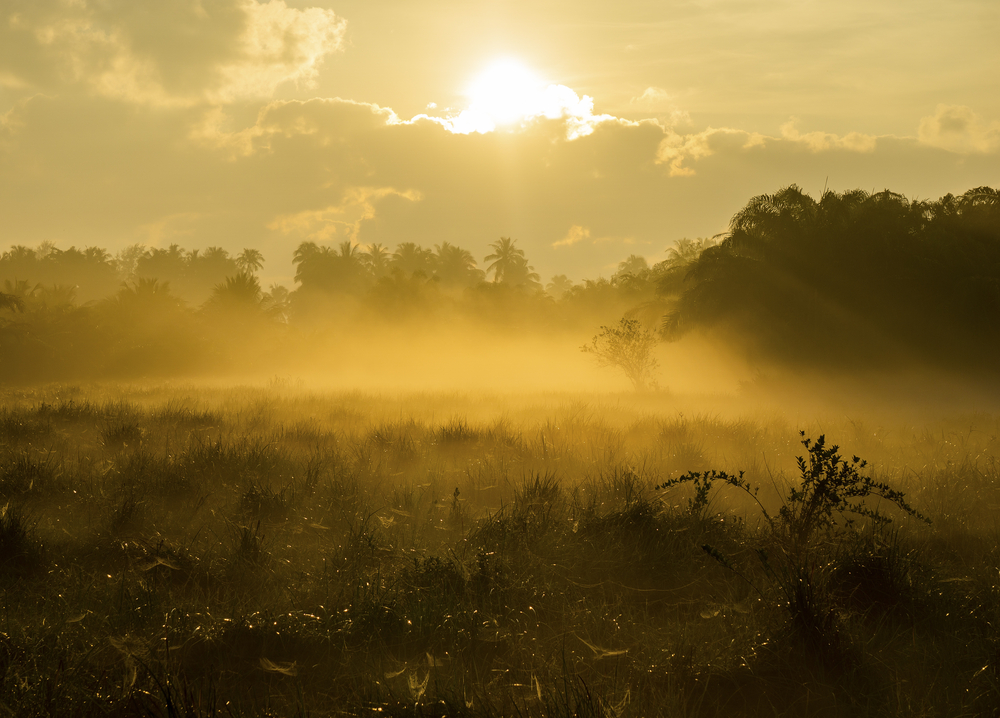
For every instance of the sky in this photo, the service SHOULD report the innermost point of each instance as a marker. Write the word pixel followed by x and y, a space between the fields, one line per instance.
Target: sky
pixel 587 131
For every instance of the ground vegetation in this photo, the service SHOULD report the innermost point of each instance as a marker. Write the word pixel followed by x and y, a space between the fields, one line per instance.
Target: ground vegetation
pixel 270 550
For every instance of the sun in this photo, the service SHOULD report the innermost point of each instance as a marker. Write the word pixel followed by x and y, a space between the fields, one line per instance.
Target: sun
pixel 508 95
pixel 507 92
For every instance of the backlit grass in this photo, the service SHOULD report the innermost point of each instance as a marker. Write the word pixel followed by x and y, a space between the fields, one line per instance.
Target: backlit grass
pixel 269 551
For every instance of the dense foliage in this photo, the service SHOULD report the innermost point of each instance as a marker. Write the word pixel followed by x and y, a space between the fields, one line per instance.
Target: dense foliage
pixel 855 280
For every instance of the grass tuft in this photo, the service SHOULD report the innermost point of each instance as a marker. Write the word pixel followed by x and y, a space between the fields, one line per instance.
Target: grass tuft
pixel 20 550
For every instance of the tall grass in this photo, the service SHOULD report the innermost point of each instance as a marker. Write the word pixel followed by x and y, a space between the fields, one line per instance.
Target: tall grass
pixel 273 552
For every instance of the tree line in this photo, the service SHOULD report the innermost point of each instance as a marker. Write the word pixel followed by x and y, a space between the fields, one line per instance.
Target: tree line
pixel 172 310
pixel 853 280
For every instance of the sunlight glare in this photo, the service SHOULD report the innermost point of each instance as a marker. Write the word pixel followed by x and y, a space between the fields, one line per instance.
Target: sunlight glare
pixel 507 92
pixel 508 95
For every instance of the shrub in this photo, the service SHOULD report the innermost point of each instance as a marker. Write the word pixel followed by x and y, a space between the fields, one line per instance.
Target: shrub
pixel 629 347
pixel 831 494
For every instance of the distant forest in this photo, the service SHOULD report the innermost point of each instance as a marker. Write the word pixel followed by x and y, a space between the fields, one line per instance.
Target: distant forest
pixel 853 281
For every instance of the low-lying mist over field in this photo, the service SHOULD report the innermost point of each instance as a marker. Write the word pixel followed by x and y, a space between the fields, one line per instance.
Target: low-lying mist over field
pixel 850 286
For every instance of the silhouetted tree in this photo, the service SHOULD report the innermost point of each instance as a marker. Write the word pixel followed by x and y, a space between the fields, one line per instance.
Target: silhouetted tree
pixel 634 265
pixel 378 260
pixel 634 277
pixel 509 265
pixel 22 289
pixel 143 303
pixel 166 265
pixel 685 252
pixel 11 301
pixel 504 257
pixel 412 258
pixel 321 269
pixel 250 261
pixel 627 346
pixel 239 292
pixel 127 261
pixel 455 266
pixel 559 285
pixel 276 302
pixel 90 270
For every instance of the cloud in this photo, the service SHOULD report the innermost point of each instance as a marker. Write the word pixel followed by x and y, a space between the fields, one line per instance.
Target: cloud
pixel 576 234
pixel 675 149
pixel 324 119
pixel 279 44
pixel 651 96
pixel 957 128
pixel 11 121
pixel 823 141
pixel 678 150
pixel 553 102
pixel 341 221
pixel 658 100
pixel 166 53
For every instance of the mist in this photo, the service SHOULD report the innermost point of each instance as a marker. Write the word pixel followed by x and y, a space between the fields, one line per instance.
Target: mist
pixel 872 290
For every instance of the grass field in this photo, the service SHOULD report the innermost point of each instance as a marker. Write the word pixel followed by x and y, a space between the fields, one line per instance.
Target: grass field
pixel 192 550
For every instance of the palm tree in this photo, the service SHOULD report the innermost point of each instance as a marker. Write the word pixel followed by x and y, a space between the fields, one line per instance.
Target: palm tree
pixel 21 288
pixel 311 265
pixel 377 258
pixel 521 274
pixel 250 261
pixel 412 258
pixel 505 257
pixel 20 253
pixel 321 268
pixel 241 291
pixel 686 251
pixel 143 297
pixel 61 297
pixel 164 264
pixel 769 221
pixel 12 302
pixel 634 265
pixel 457 266
pixel 275 302
pixel 559 285
pixel 349 251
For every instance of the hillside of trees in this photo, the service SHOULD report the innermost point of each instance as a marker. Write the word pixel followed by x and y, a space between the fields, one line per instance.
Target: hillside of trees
pixel 852 281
